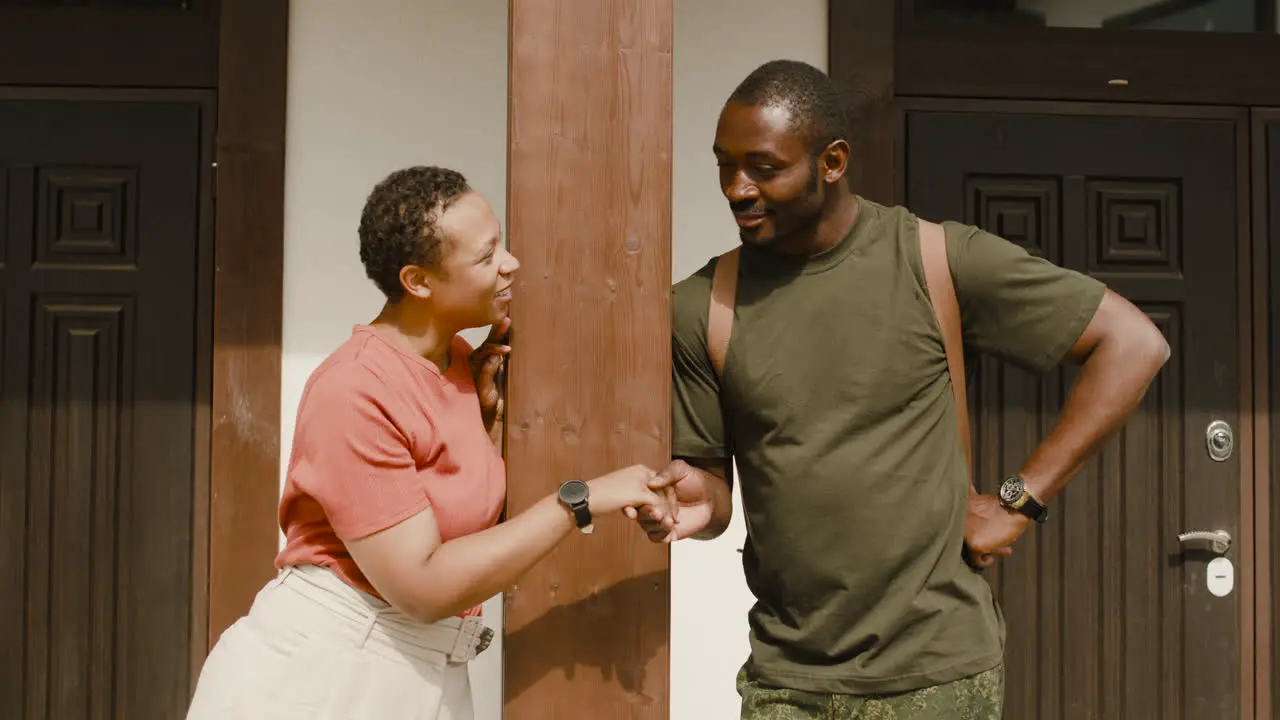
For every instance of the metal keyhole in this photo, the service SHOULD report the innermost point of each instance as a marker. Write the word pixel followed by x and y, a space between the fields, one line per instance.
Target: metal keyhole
pixel 1220 441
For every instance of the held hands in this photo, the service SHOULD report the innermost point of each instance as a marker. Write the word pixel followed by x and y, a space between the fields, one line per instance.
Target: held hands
pixel 487 362
pixel 990 530
pixel 625 490
pixel 688 498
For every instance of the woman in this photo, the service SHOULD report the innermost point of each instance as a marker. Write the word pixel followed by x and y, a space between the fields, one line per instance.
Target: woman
pixel 394 488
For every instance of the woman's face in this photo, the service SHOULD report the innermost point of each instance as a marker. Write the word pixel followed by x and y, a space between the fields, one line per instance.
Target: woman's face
pixel 472 286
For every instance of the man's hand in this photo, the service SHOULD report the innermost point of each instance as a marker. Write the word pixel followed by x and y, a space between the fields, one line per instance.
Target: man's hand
pixel 487 363
pixel 990 530
pixel 689 494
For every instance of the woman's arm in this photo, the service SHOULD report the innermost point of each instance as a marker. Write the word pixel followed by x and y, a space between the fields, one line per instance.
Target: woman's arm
pixel 429 580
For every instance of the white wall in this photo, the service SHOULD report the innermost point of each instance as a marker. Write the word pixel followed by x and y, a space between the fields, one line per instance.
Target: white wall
pixel 375 85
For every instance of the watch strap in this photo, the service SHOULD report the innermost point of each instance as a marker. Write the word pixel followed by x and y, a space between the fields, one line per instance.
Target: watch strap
pixel 581 514
pixel 1032 508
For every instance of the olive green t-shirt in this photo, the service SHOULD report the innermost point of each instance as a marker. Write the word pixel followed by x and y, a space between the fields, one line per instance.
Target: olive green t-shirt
pixel 837 408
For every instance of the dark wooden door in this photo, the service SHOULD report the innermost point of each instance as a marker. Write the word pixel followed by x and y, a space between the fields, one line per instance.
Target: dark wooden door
pixel 1108 614
pixel 99 223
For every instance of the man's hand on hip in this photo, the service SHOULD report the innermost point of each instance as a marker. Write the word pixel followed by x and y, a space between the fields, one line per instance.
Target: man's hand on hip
pixel 990 530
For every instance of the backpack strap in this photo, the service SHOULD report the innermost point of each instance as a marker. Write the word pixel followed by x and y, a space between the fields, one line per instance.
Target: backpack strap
pixel 724 291
pixel 946 308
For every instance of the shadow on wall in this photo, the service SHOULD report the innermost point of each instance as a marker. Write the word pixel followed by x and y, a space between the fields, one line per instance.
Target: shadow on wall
pixel 587 634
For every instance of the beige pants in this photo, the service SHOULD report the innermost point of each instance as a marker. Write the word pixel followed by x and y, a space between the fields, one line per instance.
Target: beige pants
pixel 314 648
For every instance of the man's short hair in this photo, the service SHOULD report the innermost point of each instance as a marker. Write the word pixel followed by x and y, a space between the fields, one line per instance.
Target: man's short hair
pixel 802 89
pixel 398 225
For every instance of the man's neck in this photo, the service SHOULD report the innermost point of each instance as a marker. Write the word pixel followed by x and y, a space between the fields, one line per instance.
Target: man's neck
pixel 831 228
pixel 417 332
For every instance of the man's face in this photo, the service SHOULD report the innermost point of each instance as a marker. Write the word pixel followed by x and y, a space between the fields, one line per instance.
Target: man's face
pixel 767 173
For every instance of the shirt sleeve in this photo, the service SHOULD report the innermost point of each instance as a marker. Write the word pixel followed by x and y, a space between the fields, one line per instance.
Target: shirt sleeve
pixel 1014 305
pixel 361 470
pixel 697 419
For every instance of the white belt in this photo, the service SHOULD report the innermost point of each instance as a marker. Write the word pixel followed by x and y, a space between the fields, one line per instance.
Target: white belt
pixel 460 638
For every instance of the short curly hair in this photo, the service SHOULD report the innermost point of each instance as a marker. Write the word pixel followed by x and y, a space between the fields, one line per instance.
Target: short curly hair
pixel 398 224
pixel 804 90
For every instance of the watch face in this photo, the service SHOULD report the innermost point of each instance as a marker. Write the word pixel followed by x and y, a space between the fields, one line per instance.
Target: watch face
pixel 1011 490
pixel 573 492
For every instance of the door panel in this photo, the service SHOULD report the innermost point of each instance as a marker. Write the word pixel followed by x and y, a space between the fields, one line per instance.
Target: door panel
pixel 1267 194
pixel 97 375
pixel 1107 615
pixel 112 43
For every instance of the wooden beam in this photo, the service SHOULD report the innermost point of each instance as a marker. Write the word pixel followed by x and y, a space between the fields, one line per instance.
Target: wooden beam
pixel 589 217
pixel 247 322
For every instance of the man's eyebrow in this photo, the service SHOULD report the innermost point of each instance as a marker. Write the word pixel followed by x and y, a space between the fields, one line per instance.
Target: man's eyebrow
pixel 754 155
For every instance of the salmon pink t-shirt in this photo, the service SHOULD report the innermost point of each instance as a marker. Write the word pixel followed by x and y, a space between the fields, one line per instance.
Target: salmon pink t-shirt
pixel 381 435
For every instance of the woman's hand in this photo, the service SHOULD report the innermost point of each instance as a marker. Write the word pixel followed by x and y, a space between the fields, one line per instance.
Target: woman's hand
pixel 487 363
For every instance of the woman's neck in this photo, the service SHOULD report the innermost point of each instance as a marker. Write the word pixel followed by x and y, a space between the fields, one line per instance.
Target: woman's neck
pixel 417 331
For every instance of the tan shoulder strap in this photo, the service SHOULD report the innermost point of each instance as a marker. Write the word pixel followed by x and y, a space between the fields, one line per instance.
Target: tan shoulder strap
pixel 942 294
pixel 724 291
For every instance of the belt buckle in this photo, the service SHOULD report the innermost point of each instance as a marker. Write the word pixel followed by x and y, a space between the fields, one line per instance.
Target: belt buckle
pixel 472 639
pixel 486 637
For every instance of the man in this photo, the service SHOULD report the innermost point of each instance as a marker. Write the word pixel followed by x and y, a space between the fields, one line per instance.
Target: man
pixel 836 404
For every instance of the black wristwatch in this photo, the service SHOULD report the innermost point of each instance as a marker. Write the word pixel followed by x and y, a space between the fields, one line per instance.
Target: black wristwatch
pixel 1014 496
pixel 573 495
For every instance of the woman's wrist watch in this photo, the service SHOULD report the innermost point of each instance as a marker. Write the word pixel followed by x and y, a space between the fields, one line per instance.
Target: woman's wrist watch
pixel 573 494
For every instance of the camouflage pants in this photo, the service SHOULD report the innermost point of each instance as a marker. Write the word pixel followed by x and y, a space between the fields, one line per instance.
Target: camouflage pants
pixel 979 697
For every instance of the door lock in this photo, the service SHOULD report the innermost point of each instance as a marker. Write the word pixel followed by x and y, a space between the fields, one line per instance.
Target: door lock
pixel 1220 441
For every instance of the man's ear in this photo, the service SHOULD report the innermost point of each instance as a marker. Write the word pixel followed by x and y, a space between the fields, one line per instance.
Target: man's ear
pixel 416 281
pixel 834 161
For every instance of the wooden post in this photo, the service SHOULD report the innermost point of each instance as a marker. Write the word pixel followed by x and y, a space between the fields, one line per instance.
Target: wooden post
pixel 589 217
pixel 247 316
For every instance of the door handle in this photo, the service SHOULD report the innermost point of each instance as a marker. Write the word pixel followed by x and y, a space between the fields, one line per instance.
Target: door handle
pixel 1216 541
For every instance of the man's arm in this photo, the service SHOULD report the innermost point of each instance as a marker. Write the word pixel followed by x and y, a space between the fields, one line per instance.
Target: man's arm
pixel 1037 315
pixel 698 478
pixel 428 579
pixel 1120 352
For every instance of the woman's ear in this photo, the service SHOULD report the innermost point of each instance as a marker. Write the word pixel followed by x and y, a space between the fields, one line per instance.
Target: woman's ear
pixel 416 281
